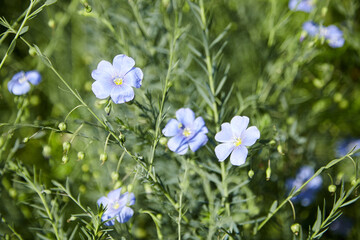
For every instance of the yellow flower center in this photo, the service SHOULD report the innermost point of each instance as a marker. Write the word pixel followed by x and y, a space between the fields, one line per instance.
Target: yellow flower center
pixel 118 81
pixel 237 142
pixel 186 132
pixel 22 79
pixel 116 205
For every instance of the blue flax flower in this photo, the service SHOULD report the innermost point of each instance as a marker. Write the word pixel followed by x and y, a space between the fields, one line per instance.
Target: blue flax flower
pixel 345 146
pixel 235 138
pixel 19 84
pixel 116 205
pixel 331 34
pixel 186 131
pixel 117 79
pixel 301 5
pixel 308 194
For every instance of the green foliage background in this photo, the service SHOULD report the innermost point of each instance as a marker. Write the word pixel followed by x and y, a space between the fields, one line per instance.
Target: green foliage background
pixel 219 58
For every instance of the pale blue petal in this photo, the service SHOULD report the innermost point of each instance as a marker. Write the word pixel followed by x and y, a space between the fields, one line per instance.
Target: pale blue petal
pixel 332 31
pixel 226 134
pixel 311 28
pixel 301 5
pixel 122 93
pixel 17 76
pixel 198 126
pixel 126 199
pixel 125 215
pixel 198 141
pixel 131 199
pixel 34 77
pixel 114 194
pixel 178 144
pixel 250 136
pixel 102 76
pixel 185 116
pixel 104 201
pixel 238 125
pixel 105 66
pixel 107 217
pixel 171 128
pixel 238 156
pixel 123 64
pixel 134 77
pixel 19 88
pixel 102 89
pixel 223 150
pixel 336 42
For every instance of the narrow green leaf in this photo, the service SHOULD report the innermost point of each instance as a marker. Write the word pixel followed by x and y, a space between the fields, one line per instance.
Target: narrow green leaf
pixel 24 30
pixel 350 202
pixel 12 46
pixel 317 223
pixel 49 2
pixel 273 206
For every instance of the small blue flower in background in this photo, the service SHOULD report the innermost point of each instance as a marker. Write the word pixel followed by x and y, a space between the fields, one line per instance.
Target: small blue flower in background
pixel 235 138
pixel 117 79
pixel 332 34
pixel 186 131
pixel 308 194
pixel 301 5
pixel 345 146
pixel 341 226
pixel 19 84
pixel 116 205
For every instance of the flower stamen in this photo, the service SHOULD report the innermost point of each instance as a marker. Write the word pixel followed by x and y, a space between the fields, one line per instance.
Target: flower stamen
pixel 237 142
pixel 118 81
pixel 116 205
pixel 187 132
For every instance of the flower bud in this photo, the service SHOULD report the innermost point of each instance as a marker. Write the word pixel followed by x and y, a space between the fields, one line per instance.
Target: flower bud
pixel 25 140
pixel 251 173
pixel 324 11
pixel 163 141
pixel 280 150
pixel 272 142
pixel 66 146
pixel 353 182
pixel 51 23
pixel 122 138
pixel 32 52
pixel 80 155
pixel 268 173
pixel 114 176
pixel 62 126
pixel 82 188
pixel 85 167
pixel 130 188
pixel 107 109
pixel 159 216
pixel 65 159
pixel 46 151
pixel 123 190
pixel 295 228
pixel 332 188
pixel 103 157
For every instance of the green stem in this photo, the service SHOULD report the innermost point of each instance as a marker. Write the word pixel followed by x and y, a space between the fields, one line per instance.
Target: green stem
pixel 48 212
pixel 17 33
pixel 166 88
